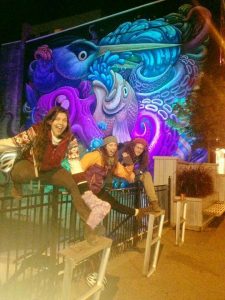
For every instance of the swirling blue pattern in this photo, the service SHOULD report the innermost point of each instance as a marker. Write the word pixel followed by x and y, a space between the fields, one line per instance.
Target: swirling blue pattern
pixel 137 73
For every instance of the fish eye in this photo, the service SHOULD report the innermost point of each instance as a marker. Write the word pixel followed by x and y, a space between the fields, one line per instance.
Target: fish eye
pixel 82 55
pixel 125 91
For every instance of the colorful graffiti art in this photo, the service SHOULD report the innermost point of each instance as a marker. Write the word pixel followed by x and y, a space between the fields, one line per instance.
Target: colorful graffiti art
pixel 127 84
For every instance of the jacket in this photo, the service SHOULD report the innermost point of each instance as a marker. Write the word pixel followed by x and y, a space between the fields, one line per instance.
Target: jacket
pixel 140 164
pixel 96 172
pixel 53 155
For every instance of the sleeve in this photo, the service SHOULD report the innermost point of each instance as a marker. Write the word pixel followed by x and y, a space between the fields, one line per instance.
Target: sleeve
pixel 20 141
pixel 90 159
pixel 74 157
pixel 7 144
pixel 127 161
pixel 124 172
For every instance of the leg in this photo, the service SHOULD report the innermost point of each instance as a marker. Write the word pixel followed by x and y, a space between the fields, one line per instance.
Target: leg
pixel 146 178
pixel 22 172
pixel 99 208
pixel 141 212
pixel 115 204
pixel 61 177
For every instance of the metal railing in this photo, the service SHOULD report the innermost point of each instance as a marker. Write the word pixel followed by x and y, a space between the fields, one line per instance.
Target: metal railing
pixel 35 229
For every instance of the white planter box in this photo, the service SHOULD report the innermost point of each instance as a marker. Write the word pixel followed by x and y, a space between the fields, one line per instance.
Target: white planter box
pixel 195 219
pixel 220 187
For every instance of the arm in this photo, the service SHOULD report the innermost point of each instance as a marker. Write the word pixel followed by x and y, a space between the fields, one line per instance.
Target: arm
pixel 7 145
pixel 126 161
pixel 20 141
pixel 90 159
pixel 124 172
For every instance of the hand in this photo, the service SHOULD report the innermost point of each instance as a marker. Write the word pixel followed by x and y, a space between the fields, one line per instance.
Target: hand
pixel 127 161
pixel 125 154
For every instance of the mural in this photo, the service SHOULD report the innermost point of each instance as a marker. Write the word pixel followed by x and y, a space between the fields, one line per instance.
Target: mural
pixel 127 83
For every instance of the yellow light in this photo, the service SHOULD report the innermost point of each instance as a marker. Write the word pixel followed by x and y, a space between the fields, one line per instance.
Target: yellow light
pixel 220 160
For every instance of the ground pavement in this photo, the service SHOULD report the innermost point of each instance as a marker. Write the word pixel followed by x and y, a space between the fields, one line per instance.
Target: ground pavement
pixel 196 270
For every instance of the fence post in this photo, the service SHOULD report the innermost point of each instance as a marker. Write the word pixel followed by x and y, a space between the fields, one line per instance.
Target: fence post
pixel 137 204
pixel 54 228
pixel 169 200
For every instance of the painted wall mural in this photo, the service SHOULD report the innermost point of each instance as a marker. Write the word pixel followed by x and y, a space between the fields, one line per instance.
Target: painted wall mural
pixel 127 83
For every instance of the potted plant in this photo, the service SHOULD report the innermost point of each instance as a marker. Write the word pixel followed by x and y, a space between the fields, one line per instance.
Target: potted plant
pixel 196 182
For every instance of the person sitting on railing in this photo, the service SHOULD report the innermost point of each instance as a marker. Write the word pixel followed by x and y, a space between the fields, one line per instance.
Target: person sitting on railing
pixel 44 146
pixel 137 150
pixel 100 166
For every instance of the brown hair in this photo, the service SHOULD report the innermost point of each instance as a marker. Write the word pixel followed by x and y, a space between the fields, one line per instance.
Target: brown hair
pixel 106 159
pixel 41 139
pixel 144 157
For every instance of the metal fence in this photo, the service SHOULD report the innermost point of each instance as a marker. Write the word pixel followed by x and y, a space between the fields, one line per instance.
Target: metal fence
pixel 35 229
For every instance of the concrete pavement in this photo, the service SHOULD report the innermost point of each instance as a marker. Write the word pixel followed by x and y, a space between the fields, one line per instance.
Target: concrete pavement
pixel 196 270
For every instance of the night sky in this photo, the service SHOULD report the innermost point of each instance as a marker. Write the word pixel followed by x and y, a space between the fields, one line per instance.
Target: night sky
pixel 16 12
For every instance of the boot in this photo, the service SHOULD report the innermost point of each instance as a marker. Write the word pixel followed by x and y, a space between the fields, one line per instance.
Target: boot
pixel 143 211
pixel 99 208
pixel 17 192
pixel 155 206
pixel 100 230
pixel 90 235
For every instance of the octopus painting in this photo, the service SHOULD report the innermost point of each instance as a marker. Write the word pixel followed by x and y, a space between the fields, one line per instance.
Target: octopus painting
pixel 127 83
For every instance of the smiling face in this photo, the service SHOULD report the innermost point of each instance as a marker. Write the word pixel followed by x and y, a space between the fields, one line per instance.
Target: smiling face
pixel 59 124
pixel 138 149
pixel 111 149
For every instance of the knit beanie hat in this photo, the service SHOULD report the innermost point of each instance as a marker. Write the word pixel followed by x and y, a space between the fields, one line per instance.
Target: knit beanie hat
pixel 140 141
pixel 110 139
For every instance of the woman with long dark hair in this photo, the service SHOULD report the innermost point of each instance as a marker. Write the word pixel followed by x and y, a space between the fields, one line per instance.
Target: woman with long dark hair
pixel 43 147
